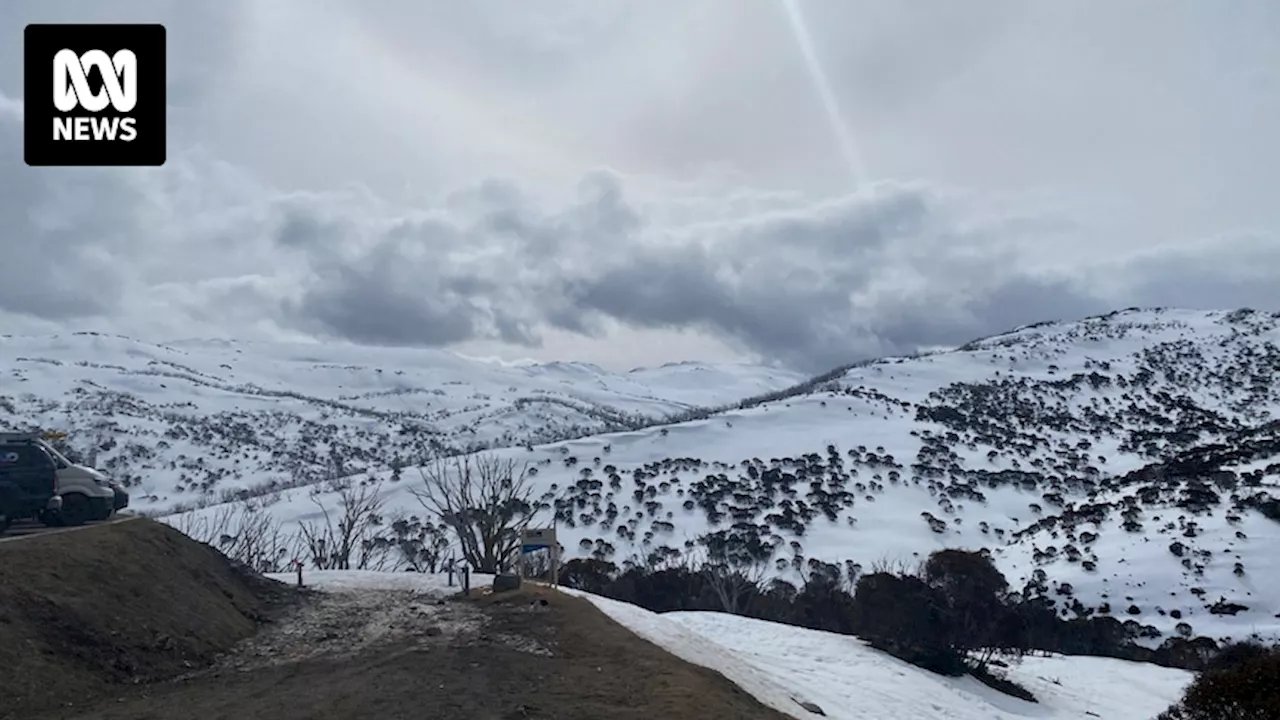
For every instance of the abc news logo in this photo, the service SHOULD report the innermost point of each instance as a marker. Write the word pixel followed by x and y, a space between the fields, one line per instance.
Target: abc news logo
pixel 71 90
pixel 94 95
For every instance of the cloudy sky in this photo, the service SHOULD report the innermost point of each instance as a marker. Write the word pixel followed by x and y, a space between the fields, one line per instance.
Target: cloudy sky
pixel 631 183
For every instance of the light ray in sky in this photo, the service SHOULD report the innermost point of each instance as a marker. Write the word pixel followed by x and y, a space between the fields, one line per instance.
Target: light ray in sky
pixel 840 126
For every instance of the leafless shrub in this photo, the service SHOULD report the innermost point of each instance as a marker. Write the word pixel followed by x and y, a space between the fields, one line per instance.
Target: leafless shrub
pixel 348 537
pixel 897 566
pixel 242 531
pixel 202 528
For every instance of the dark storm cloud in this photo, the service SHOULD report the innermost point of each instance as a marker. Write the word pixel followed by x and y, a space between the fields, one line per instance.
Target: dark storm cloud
pixel 811 286
pixel 812 317
pixel 819 287
pixel 954 316
pixel 1232 272
pixel 385 296
pixel 774 317
pixel 488 268
pixel 358 304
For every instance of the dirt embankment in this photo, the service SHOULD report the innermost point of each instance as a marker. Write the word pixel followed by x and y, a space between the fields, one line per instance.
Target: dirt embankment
pixel 85 613
pixel 135 621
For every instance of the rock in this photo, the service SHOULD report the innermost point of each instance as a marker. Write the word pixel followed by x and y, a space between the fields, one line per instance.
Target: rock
pixel 506 583
pixel 811 707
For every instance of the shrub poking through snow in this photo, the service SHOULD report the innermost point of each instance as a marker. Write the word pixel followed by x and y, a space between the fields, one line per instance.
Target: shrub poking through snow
pixel 1242 682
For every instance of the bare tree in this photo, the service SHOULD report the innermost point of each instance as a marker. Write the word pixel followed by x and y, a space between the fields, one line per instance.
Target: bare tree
pixel 485 500
pixel 350 533
pixel 734 586
pixel 851 571
pixel 733 577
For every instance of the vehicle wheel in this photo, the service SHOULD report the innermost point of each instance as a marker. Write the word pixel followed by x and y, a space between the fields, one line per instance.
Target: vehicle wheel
pixel 5 522
pixel 75 510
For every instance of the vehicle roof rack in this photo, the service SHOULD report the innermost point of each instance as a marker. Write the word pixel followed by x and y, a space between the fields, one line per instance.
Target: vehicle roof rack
pixel 19 436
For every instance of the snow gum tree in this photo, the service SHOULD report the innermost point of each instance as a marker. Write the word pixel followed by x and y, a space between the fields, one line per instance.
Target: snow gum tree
pixel 486 502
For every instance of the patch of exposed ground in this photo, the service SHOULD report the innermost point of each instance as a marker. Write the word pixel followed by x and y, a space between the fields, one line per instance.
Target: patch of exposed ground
pixel 350 654
pixel 346 623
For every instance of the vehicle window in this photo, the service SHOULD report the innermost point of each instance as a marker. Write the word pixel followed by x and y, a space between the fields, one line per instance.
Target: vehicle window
pixel 43 458
pixel 24 456
pixel 59 461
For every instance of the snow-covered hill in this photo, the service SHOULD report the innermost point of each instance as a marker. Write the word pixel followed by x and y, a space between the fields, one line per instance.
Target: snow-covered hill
pixel 1124 465
pixel 194 422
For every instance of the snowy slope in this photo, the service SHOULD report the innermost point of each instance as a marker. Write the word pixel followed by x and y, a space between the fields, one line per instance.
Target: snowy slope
pixel 1033 444
pixel 783 666
pixel 191 421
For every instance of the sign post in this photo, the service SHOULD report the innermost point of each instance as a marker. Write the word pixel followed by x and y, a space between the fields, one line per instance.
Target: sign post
pixel 534 539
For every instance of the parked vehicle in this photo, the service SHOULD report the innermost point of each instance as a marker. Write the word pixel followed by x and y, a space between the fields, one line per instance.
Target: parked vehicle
pixel 85 493
pixel 28 483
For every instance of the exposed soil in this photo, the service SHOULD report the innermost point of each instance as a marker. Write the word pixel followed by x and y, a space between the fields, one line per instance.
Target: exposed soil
pixel 136 621
pixel 534 653
pixel 84 612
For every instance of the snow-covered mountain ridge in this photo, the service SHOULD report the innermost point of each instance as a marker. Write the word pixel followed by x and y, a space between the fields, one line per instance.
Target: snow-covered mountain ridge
pixel 1126 464
pixel 194 422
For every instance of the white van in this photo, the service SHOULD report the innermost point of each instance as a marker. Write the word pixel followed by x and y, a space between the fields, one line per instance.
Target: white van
pixel 86 493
